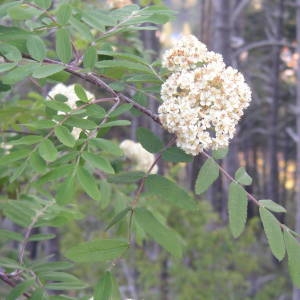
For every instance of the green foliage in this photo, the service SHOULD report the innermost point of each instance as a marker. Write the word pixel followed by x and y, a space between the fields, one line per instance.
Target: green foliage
pixel 273 233
pixel 48 174
pixel 164 236
pixel 207 175
pixel 292 249
pixel 167 190
pixel 97 250
pixel 242 177
pixel 237 209
pixel 149 140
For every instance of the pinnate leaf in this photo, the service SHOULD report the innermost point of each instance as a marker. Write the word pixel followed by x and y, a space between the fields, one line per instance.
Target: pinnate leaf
pixel 237 209
pixel 65 136
pixel 220 153
pixel 207 175
pixel 164 236
pixel 63 45
pixel 88 183
pixel 96 161
pixel 149 140
pixel 103 289
pixel 90 58
pixel 242 176
pixel 273 233
pixel 36 47
pixel 175 154
pixel 272 206
pixel 167 190
pixel 97 250
pixel 293 252
pixel 47 150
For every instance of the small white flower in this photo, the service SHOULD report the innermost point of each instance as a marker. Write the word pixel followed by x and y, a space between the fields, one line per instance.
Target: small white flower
pixel 142 159
pixel 69 93
pixel 202 99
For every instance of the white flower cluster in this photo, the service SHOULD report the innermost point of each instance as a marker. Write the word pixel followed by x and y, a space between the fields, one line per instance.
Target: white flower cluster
pixel 139 156
pixel 203 99
pixel 69 93
pixel 118 3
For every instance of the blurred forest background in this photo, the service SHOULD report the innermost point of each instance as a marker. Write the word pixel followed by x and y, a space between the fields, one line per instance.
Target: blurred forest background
pixel 261 38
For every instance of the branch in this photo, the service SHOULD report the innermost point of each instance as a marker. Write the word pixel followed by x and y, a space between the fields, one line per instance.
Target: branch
pixel 97 81
pixel 29 230
pixel 241 5
pixel 261 44
pixel 5 278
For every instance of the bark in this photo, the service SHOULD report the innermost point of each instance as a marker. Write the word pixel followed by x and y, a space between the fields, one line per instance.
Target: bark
pixel 273 186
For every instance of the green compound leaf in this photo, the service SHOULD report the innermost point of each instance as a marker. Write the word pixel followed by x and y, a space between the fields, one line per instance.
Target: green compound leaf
pixel 207 175
pixel 106 145
pixel 175 154
pixel 237 209
pixel 63 14
pixel 98 162
pixel 6 66
pixel 66 191
pixel 273 233
pixel 27 140
pixel 64 136
pixel 80 93
pixel 58 106
pixel 167 190
pixel 14 156
pixel 45 4
pixel 46 70
pixel 19 289
pixel 97 250
pixel 126 177
pixel 10 235
pixel 88 183
pixel 220 153
pixel 10 52
pixel 163 235
pixel 62 281
pixel 242 176
pixel 37 163
pixel 36 47
pixel 117 218
pixel 47 150
pixel 63 45
pixel 293 252
pixel 103 289
pixel 272 206
pixel 90 58
pixel 149 140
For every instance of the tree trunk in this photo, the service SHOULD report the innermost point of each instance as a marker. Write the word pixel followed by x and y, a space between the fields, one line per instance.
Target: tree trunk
pixel 273 186
pixel 296 291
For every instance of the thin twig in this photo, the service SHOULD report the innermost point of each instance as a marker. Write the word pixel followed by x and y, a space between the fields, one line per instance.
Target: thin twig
pixel 11 283
pixel 29 230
